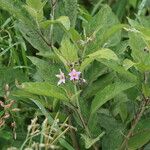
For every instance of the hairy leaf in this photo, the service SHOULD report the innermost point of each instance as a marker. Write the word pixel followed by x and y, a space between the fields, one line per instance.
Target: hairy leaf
pixel 47 70
pixel 138 140
pixel 99 54
pixel 89 142
pixel 103 20
pixel 108 93
pixel 68 51
pixel 45 89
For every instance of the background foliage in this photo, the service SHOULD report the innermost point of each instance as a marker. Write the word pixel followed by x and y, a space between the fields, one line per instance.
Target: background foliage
pixel 108 41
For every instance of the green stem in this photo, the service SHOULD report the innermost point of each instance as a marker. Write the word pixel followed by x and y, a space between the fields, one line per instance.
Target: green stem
pixel 62 133
pixel 144 103
pixel 52 18
pixel 84 50
pixel 27 139
pixel 73 135
pixel 135 122
pixel 78 110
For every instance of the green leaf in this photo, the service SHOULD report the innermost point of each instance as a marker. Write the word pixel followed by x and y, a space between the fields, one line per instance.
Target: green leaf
pixel 94 71
pixel 142 125
pixel 144 21
pixel 35 8
pixel 120 106
pixel 133 3
pixel 114 129
pixel 111 31
pixel 68 8
pixel 64 20
pixel 68 51
pixel 89 142
pixel 99 84
pixel 47 70
pixel 146 90
pixel 121 47
pixel 103 53
pixel 113 139
pixel 120 8
pixel 26 24
pixel 147 147
pixel 123 111
pixel 36 4
pixel 65 8
pixel 127 63
pixel 9 75
pixel 140 53
pixel 65 144
pixel 85 63
pixel 138 140
pixel 108 93
pixel 20 94
pixel 16 9
pixel 75 35
pixel 6 134
pixel 45 89
pixel 1 113
pixel 103 20
pixel 59 55
pixel 93 123
pixel 34 37
pixel 145 32
pixel 43 110
pixel 128 76
pixel 84 14
pixel 137 45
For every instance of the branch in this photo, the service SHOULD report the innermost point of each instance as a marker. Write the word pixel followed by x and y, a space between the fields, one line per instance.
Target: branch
pixel 135 122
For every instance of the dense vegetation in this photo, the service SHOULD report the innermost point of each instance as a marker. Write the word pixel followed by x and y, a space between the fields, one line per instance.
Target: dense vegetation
pixel 75 74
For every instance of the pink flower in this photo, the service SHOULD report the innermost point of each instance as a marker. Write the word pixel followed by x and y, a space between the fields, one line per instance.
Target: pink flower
pixel 74 75
pixel 61 77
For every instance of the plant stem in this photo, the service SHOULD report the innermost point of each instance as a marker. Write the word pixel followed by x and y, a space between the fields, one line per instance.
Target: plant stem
pixel 73 136
pixel 144 103
pixel 85 38
pixel 60 135
pixel 27 139
pixel 78 110
pixel 53 3
pixel 135 122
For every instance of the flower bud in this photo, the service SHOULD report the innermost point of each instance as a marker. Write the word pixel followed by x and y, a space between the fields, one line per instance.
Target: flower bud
pixel 6 87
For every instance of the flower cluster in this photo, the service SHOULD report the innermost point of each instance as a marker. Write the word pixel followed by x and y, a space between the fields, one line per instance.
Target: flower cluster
pixel 74 76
